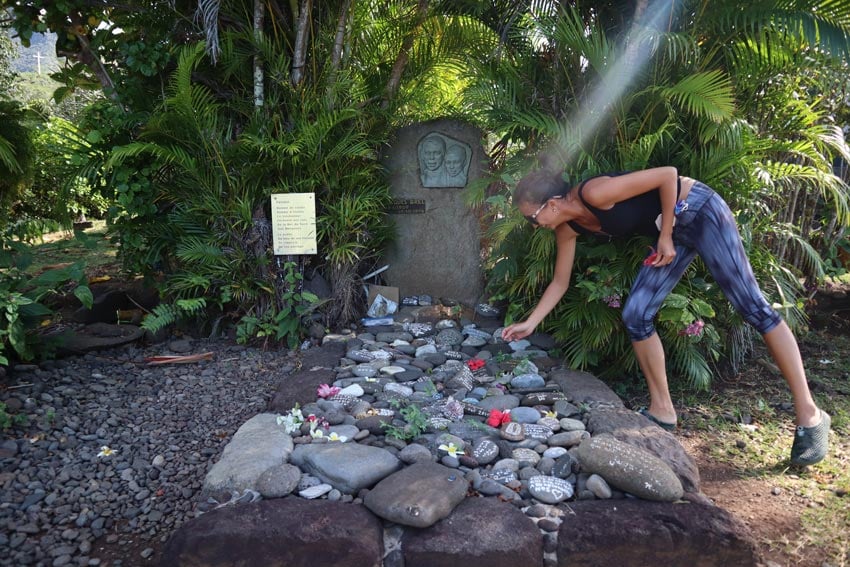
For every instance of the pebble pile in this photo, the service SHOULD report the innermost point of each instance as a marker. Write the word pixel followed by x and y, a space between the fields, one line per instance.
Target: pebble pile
pixel 62 504
pixel 452 411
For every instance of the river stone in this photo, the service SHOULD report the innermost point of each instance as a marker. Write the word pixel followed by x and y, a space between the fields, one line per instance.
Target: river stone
pixel 502 475
pixel 543 398
pixel 424 350
pixel 365 371
pixel 536 431
pixel 355 390
pixel 314 492
pixel 468 431
pixel 348 467
pixel 278 482
pixel 597 485
pixel 566 409
pixel 563 466
pixel 449 337
pixel 525 415
pixel 415 453
pixel 408 375
pixel 550 489
pixel 400 389
pixel 567 438
pixel 634 429
pixel 528 381
pixel 525 457
pixel 554 452
pixel 347 431
pixel 585 388
pixel 569 424
pixel 501 403
pixel 462 379
pixel 418 496
pixel 630 469
pixel 513 431
pixel 393 336
pixel 485 451
pixel 283 531
pixel 480 531
pixel 473 341
pixel 258 445
pixel 360 355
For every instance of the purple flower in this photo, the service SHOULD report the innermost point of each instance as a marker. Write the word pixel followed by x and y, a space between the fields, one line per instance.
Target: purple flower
pixel 612 300
pixel 694 329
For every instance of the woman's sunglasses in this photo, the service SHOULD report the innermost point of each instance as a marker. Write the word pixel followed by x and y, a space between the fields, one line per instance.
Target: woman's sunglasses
pixel 532 218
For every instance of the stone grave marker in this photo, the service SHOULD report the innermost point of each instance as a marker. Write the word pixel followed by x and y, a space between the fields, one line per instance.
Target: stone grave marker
pixel 437 249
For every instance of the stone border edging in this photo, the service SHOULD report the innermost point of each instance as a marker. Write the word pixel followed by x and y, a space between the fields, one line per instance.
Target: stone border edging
pixel 293 531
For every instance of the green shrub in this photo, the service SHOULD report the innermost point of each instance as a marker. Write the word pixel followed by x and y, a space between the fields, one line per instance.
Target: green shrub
pixel 25 301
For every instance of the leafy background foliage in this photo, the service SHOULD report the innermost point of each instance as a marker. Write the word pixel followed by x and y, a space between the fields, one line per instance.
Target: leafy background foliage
pixel 204 114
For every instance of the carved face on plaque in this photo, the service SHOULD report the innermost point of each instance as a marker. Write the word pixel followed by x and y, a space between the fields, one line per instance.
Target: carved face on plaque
pixel 455 160
pixel 443 161
pixel 433 152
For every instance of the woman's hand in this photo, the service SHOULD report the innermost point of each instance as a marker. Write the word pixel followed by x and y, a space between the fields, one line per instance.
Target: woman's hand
pixel 518 331
pixel 665 253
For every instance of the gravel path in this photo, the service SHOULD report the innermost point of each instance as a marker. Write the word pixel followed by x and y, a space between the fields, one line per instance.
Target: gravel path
pixel 63 504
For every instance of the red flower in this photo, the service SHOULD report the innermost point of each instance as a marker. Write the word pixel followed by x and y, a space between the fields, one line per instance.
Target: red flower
pixel 475 364
pixel 497 418
pixel 651 258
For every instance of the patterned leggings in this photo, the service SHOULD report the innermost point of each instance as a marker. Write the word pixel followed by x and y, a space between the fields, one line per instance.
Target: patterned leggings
pixel 706 228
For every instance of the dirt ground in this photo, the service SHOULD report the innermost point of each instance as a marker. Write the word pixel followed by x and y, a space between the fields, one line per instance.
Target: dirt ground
pixel 770 517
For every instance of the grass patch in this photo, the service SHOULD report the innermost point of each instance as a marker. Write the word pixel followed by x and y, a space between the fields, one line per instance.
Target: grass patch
pixel 91 245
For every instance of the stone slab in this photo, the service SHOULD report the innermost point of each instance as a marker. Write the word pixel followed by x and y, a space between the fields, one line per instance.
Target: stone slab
pixel 635 533
pixel 286 532
pixel 480 531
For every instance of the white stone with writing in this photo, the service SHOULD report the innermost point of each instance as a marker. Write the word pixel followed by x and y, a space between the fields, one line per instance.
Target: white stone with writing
pixel 549 489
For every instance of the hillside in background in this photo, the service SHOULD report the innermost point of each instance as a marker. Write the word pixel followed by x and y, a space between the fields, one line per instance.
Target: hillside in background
pixel 42 49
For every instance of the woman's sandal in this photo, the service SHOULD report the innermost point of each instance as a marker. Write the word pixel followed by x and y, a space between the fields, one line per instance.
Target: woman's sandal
pixel 665 425
pixel 811 443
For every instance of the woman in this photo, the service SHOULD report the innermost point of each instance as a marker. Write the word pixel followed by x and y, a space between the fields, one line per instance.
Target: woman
pixel 687 218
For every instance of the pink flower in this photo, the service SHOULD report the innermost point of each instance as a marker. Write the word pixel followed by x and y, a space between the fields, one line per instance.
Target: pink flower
pixel 694 329
pixel 497 418
pixel 612 300
pixel 326 391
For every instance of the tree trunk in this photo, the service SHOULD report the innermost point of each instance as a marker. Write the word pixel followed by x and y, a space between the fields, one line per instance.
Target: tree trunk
pixel 637 22
pixel 404 54
pixel 259 14
pixel 299 56
pixel 339 40
pixel 90 59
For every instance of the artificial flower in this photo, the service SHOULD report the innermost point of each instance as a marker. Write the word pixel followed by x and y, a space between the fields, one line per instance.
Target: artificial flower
pixel 326 391
pixel 475 364
pixel 451 449
pixel 291 421
pixel 497 418
pixel 651 258
pixel 105 452
pixel 694 329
